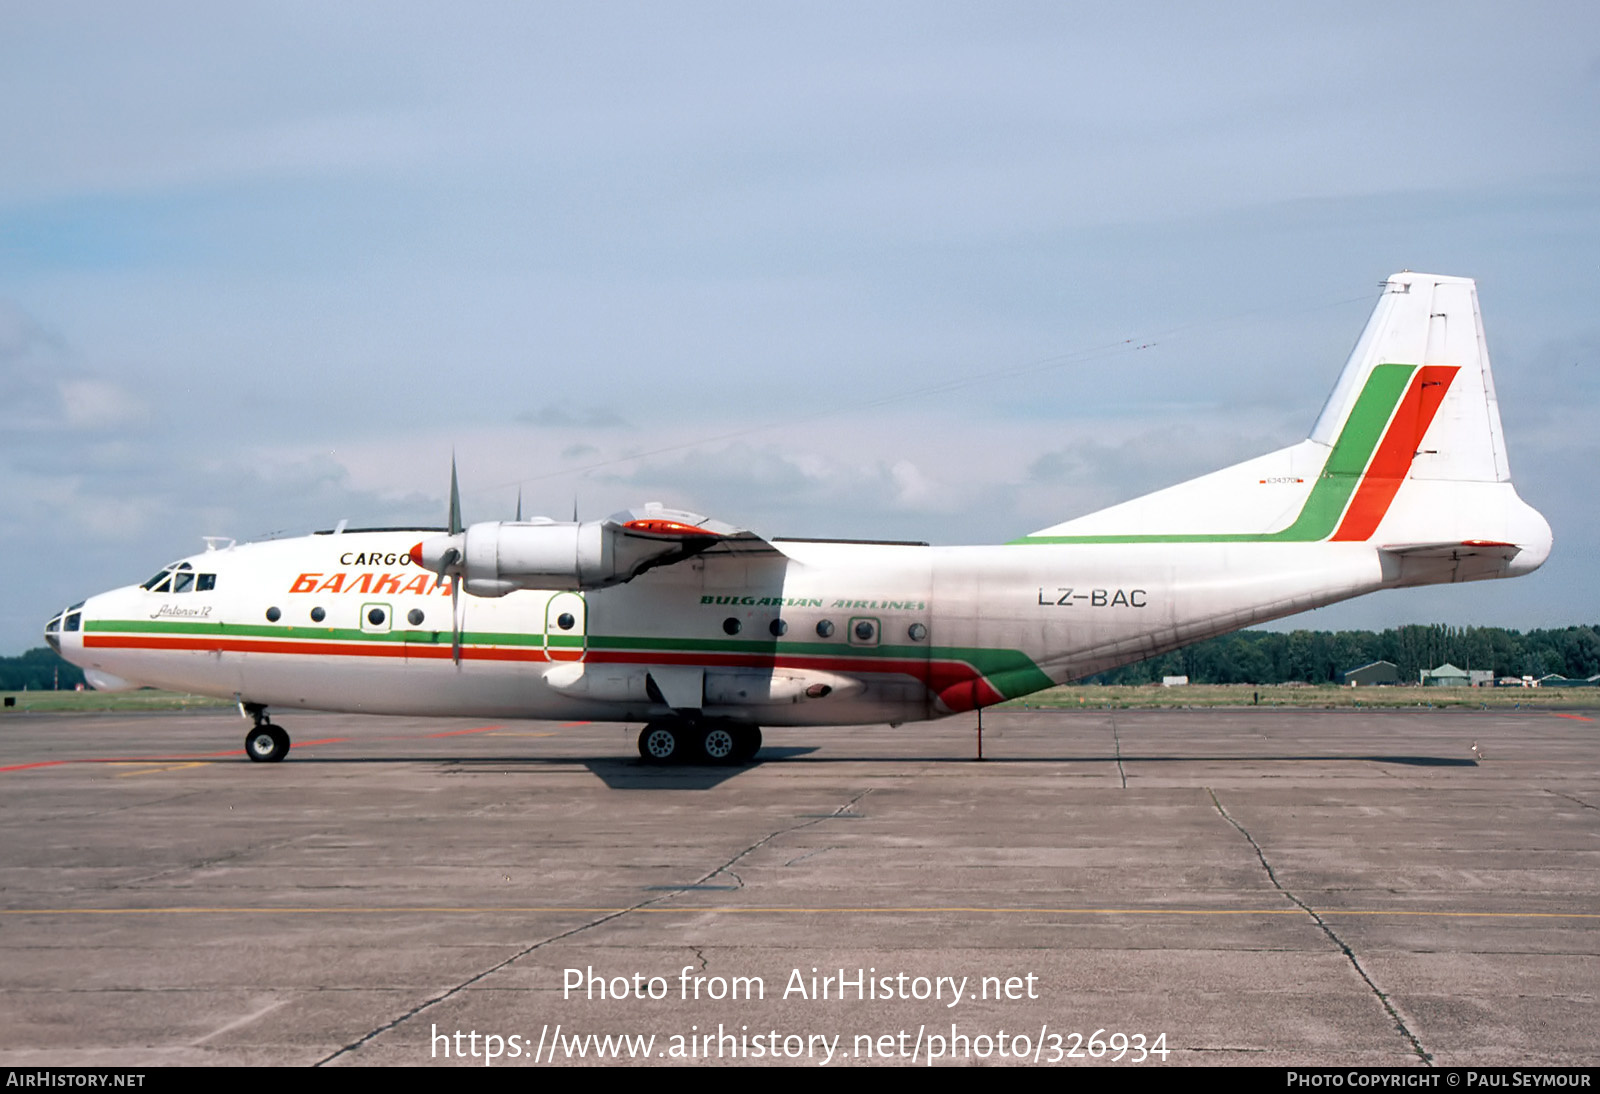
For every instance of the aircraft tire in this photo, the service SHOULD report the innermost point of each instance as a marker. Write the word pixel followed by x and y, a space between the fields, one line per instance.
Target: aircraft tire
pixel 661 744
pixel 748 740
pixel 266 744
pixel 719 745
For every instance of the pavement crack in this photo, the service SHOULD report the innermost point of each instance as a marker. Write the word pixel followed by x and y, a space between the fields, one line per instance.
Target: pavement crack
pixel 1416 1046
pixel 1570 798
pixel 1116 740
pixel 769 837
pixel 698 952
pixel 812 852
pixel 449 993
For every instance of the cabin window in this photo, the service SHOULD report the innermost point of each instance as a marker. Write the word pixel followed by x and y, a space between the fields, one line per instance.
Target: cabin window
pixel 778 628
pixel 376 617
pixel 566 621
pixel 825 628
pixel 730 625
pixel 318 615
pixel 414 617
pixel 273 615
pixel 917 632
pixel 864 631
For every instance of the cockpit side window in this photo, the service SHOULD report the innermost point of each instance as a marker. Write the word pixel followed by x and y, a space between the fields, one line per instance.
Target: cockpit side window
pixel 154 581
pixel 182 581
pixel 205 583
pixel 165 586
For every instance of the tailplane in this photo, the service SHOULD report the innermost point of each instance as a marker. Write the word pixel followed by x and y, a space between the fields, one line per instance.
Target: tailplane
pixel 1407 455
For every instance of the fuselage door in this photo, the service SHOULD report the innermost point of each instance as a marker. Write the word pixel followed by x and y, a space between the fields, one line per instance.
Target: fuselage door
pixel 565 633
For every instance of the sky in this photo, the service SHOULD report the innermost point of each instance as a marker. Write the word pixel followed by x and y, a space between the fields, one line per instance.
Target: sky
pixel 924 271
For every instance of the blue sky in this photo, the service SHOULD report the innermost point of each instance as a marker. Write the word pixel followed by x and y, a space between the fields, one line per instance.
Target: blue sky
pixel 873 270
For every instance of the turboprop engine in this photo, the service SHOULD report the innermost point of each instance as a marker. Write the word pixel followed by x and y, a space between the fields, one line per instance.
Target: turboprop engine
pixel 494 558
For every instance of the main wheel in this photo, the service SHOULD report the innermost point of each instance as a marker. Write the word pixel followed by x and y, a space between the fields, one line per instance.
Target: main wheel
pixel 660 744
pixel 718 745
pixel 266 744
pixel 747 743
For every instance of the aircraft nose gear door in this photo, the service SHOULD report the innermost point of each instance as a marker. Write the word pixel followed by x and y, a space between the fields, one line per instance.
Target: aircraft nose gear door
pixel 565 628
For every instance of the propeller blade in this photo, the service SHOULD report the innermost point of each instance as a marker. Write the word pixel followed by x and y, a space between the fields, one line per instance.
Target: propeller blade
pixel 450 557
pixel 519 505
pixel 455 498
pixel 455 621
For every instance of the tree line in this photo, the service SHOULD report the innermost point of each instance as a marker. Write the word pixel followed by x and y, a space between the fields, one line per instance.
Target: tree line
pixel 37 670
pixel 1321 657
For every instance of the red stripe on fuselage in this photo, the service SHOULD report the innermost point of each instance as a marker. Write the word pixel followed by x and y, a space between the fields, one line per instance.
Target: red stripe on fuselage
pixel 1392 461
pixel 958 684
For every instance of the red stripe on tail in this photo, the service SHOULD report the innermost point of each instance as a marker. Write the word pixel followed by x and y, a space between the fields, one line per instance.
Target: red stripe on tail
pixel 1392 461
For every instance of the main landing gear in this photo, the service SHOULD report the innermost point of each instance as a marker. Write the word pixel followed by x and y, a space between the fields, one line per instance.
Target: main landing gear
pixel 688 742
pixel 266 743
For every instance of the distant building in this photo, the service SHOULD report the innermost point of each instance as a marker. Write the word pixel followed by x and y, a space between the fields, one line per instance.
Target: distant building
pixel 1554 680
pixel 1372 675
pixel 1445 676
pixel 1174 681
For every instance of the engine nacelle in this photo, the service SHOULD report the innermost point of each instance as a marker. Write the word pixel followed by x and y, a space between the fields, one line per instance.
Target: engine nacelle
pixel 494 558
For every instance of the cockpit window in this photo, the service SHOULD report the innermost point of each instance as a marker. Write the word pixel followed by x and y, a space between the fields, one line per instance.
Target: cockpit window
pixel 72 622
pixel 180 578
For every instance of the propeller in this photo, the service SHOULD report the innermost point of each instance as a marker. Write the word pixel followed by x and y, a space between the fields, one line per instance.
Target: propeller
pixel 451 557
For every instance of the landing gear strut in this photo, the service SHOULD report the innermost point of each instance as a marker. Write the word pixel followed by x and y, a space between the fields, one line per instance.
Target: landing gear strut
pixel 675 742
pixel 266 743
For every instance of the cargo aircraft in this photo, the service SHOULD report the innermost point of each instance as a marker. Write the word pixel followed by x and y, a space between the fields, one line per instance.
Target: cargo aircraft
pixel 704 632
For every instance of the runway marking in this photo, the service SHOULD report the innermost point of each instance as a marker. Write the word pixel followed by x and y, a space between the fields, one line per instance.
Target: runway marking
pixel 527 735
pixel 1575 717
pixel 464 732
pixel 149 769
pixel 689 909
pixel 119 760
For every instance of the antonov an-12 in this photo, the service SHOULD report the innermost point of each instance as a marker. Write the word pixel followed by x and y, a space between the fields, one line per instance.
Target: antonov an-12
pixel 704 632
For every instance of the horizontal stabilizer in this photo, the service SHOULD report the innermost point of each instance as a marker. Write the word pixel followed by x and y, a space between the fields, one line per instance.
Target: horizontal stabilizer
pixel 1467 548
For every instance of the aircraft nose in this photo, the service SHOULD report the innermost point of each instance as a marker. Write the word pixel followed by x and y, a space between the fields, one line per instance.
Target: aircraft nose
pixel 67 621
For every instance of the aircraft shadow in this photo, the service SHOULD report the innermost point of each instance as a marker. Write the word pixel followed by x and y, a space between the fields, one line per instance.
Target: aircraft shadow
pixel 632 773
pixel 617 772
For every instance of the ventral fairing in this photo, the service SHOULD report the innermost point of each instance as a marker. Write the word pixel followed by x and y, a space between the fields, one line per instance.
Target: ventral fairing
pixel 705 631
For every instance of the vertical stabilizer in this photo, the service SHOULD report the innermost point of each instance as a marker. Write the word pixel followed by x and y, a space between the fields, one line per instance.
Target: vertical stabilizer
pixel 1432 324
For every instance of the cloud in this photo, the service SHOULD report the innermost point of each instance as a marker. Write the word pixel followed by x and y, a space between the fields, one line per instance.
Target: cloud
pixel 566 417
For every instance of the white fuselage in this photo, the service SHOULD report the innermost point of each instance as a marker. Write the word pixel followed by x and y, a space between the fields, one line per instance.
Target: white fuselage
pixel 894 632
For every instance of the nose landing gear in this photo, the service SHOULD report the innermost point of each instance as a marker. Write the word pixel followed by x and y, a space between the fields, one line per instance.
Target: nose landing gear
pixel 266 743
pixel 675 742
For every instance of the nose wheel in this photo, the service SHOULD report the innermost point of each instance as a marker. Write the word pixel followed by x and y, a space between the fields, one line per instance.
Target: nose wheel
pixel 265 743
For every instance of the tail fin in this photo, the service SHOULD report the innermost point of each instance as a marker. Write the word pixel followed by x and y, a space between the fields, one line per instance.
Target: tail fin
pixel 1407 455
pixel 1427 330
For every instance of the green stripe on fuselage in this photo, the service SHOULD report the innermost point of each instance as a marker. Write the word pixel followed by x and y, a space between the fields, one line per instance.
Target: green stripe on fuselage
pixel 1331 492
pixel 1010 672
